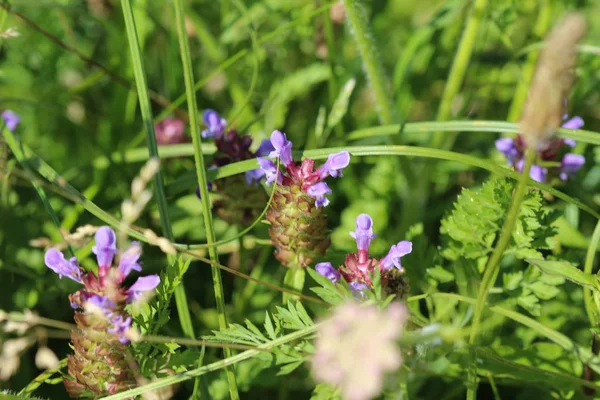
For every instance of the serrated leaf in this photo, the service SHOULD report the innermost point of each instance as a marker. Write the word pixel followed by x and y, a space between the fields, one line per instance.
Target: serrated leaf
pixel 566 270
pixel 269 326
pixel 286 369
pixel 530 303
pixel 512 280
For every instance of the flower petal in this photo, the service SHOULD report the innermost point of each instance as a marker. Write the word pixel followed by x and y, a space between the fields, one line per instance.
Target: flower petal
pixel 396 252
pixel 270 170
pixel 106 246
pixel 214 123
pixel 283 147
pixel 254 176
pixel 143 284
pixel 538 173
pixel 129 259
pixel 570 164
pixel 318 192
pixel 11 119
pixel 334 165
pixel 55 260
pixel 327 270
pixel 264 149
pixel 364 232
pixel 574 123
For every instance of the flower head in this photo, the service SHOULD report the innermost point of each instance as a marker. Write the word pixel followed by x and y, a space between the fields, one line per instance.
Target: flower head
pixel 356 346
pixel 55 260
pixel 170 131
pixel 11 119
pixel 215 125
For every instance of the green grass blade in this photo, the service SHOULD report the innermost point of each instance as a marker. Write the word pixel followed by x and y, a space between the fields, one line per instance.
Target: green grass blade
pixel 202 181
pixel 588 296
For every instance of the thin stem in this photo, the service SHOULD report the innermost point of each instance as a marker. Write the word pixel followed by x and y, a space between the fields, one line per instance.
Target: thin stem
pixel 493 265
pixel 202 181
pixel 458 71
pixel 357 20
pixel 590 306
pixel 520 95
pixel 144 99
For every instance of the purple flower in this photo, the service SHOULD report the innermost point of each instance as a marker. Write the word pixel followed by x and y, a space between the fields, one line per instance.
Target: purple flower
pixel 270 170
pixel 102 303
pixel 537 173
pixel 570 164
pixel 318 192
pixel 396 251
pixel 283 147
pixel 129 259
pixel 106 246
pixel 264 149
pixel 327 270
pixel 357 288
pixel 334 165
pixel 120 326
pixel 509 148
pixel 142 284
pixel 214 123
pixel 170 131
pixel 55 260
pixel 11 119
pixel 364 232
pixel 254 176
pixel 574 123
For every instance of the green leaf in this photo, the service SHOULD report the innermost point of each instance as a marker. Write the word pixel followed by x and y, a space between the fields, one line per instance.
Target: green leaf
pixel 340 107
pixel 440 274
pixel 567 271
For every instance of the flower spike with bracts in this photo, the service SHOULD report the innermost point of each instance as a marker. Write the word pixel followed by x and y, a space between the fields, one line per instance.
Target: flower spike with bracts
pixel 241 198
pixel 553 157
pixel 358 267
pixel 298 222
pixel 98 366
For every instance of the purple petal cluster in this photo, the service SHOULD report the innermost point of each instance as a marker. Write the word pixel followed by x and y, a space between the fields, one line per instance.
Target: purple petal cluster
pixel 554 152
pixel 104 293
pixel 302 174
pixel 359 266
pixel 11 119
pixel 215 124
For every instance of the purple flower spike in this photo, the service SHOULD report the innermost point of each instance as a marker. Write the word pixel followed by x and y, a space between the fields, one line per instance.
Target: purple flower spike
pixel 214 123
pixel 270 170
pixel 508 147
pixel 129 259
pixel 283 147
pixel 334 165
pixel 364 232
pixel 142 284
pixel 327 270
pixel 570 164
pixel 264 149
pixel 396 252
pixel 102 303
pixel 254 176
pixel 318 192
pixel 358 289
pixel 106 246
pixel 55 260
pixel 573 123
pixel 120 326
pixel 11 119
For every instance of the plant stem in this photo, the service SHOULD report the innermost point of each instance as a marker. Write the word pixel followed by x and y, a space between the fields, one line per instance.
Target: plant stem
pixel 202 181
pixel 590 305
pixel 357 19
pixel 520 95
pixel 159 191
pixel 493 266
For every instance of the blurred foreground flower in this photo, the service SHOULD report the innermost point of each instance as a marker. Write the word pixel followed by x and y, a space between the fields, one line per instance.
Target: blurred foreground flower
pixel 358 266
pixel 11 119
pixel 170 131
pixel 356 347
pixel 100 365
pixel 242 200
pixel 297 217
pixel 553 157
